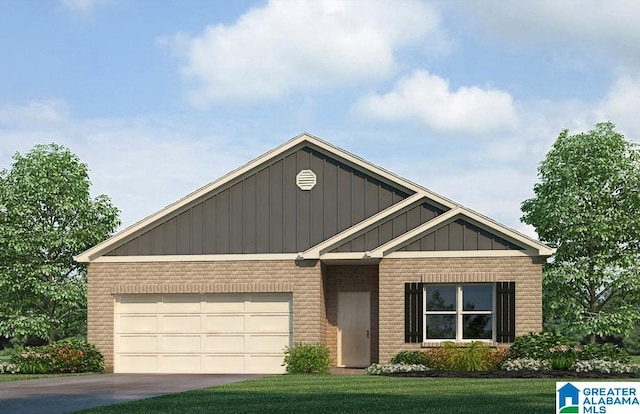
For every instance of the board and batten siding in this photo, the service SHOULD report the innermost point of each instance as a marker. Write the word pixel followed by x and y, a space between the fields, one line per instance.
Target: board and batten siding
pixel 265 212
pixel 459 235
pixel 391 228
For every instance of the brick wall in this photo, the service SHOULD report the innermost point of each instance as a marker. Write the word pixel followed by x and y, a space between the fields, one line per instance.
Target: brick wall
pixel 349 279
pixel 394 273
pixel 303 279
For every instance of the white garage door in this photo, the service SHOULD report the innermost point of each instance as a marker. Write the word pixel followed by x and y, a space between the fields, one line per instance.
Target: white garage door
pixel 208 333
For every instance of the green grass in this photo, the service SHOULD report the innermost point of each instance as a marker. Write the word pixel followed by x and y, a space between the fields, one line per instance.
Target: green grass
pixel 20 377
pixel 347 394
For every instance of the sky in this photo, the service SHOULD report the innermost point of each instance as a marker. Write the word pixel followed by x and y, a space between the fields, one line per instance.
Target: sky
pixel 462 97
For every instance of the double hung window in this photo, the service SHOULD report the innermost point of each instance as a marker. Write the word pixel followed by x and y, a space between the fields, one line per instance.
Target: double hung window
pixel 461 312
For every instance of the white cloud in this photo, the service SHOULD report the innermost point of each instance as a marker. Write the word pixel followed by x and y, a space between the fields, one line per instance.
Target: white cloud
pixel 141 164
pixel 429 99
pixel 287 46
pixel 593 26
pixel 621 104
pixel 34 112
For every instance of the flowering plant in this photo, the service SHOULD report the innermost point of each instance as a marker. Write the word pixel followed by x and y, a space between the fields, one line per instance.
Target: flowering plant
pixel 8 368
pixel 526 364
pixel 380 369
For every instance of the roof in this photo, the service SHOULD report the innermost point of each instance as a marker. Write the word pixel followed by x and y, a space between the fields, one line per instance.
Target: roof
pixel 322 250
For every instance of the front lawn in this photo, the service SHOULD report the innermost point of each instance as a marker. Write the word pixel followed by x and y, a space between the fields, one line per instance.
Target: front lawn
pixel 346 394
pixel 20 377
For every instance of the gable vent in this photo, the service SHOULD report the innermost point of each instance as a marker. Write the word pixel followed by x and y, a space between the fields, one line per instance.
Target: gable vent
pixel 306 180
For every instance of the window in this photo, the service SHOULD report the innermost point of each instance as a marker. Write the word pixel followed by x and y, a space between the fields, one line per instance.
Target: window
pixel 458 312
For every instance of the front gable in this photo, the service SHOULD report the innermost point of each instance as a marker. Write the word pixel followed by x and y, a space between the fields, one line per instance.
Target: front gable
pixel 345 205
pixel 265 211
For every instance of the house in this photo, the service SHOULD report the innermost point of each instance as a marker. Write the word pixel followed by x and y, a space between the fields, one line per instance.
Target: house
pixel 307 243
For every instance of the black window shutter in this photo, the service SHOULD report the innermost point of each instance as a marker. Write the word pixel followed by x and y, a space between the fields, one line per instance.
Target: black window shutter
pixel 506 311
pixel 413 312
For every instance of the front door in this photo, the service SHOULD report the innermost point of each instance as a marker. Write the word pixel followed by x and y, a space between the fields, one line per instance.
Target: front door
pixel 354 329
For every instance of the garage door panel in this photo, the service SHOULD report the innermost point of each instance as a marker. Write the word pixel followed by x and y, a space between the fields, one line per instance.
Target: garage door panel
pixel 137 363
pixel 182 343
pixel 224 364
pixel 267 343
pixel 138 343
pixel 180 323
pixel 180 304
pixel 224 323
pixel 268 323
pixel 139 303
pixel 268 303
pixel 224 343
pixel 137 324
pixel 223 303
pixel 180 363
pixel 265 364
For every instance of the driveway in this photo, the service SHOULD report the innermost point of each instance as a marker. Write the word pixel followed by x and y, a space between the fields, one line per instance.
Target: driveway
pixel 68 394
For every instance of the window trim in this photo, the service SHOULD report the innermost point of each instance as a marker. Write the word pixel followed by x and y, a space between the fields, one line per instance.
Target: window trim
pixel 459 313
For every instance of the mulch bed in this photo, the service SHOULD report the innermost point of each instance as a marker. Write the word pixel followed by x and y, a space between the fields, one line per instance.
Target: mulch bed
pixel 509 374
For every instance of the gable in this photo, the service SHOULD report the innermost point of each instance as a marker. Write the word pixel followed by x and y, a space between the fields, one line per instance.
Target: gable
pixel 343 204
pixel 459 235
pixel 391 228
pixel 264 211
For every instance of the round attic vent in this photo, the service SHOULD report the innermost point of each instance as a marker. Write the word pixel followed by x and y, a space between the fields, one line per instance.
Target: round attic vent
pixel 306 179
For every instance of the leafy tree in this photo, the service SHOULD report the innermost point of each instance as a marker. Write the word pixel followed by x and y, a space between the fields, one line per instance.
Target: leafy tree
pixel 587 204
pixel 46 216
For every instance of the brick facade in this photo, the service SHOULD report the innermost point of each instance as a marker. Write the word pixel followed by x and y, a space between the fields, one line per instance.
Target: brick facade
pixel 394 273
pixel 315 288
pixel 303 279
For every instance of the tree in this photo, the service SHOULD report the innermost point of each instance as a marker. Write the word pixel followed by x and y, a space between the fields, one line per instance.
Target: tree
pixel 46 217
pixel 587 204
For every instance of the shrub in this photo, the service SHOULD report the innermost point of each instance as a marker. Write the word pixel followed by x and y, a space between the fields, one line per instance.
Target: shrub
pixel 377 369
pixel 8 368
pixel 498 357
pixel 307 359
pixel 537 345
pixel 563 357
pixel 608 367
pixel 605 352
pixel 526 364
pixel 475 357
pixel 63 356
pixel 411 358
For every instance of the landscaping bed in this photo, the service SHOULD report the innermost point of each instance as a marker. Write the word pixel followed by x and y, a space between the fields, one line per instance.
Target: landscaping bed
pixel 511 374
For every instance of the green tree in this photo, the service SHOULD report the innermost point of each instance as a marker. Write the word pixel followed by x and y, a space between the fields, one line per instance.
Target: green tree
pixel 46 217
pixel 587 204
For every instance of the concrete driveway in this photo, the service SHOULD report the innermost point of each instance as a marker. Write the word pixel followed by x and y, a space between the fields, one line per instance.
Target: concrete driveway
pixel 68 394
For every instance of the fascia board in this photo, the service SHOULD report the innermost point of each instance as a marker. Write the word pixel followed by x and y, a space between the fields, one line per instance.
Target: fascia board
pixel 197 258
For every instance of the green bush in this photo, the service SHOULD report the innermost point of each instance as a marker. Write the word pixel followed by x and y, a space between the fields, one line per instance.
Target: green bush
pixel 411 358
pixel 537 345
pixel 73 355
pixel 475 357
pixel 604 352
pixel 307 359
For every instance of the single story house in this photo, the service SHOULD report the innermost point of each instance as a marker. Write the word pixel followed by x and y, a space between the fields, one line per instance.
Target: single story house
pixel 307 244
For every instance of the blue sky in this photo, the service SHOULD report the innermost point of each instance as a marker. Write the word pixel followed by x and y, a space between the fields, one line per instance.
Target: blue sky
pixel 462 97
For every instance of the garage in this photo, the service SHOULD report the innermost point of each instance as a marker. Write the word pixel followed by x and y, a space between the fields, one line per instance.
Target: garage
pixel 202 333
